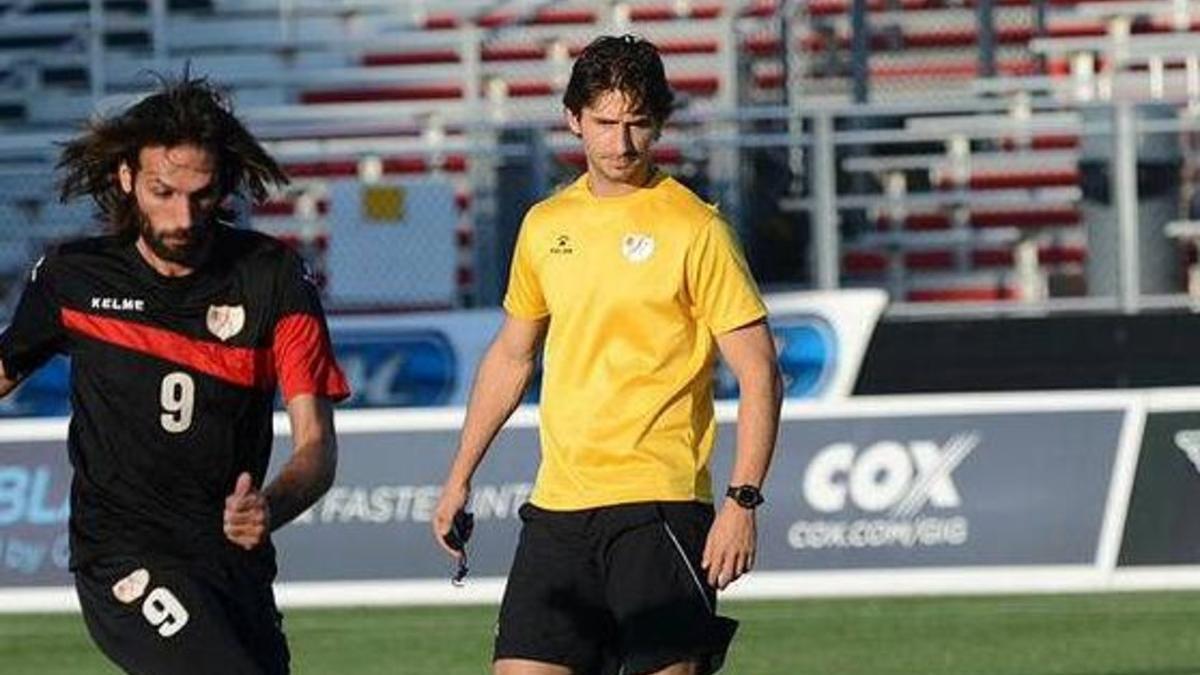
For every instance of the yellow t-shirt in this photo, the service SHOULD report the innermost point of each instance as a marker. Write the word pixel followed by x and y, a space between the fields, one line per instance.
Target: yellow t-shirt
pixel 635 287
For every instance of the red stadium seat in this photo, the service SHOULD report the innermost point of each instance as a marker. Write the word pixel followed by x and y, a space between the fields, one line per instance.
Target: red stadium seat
pixel 391 165
pixel 1004 180
pixel 864 262
pixel 546 16
pixel 937 259
pixel 873 263
pixel 957 69
pixel 557 16
pixel 935 39
pixel 961 294
pixel 423 92
pixel 420 57
pixel 761 8
pixel 1043 142
pixel 1047 256
pixel 1064 216
pixel 1023 217
pixel 441 21
pixel 836 7
pixel 647 14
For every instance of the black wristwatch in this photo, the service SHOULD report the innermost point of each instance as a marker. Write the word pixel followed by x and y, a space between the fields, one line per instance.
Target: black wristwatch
pixel 746 496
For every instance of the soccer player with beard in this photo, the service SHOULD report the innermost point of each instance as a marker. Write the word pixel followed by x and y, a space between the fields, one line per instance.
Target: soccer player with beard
pixel 180 329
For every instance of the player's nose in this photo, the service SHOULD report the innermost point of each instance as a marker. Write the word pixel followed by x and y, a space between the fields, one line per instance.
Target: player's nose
pixel 627 145
pixel 185 214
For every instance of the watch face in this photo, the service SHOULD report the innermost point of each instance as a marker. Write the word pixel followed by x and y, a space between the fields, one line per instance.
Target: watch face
pixel 747 496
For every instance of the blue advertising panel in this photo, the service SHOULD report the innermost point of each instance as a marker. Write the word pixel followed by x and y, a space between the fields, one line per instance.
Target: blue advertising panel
pixel 45 394
pixel 401 368
pixel 34 505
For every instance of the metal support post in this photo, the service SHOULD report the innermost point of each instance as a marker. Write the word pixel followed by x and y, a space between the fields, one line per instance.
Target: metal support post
pixel 725 161
pixel 986 20
pixel 488 282
pixel 860 51
pixel 96 70
pixel 158 21
pixel 1125 201
pixel 824 214
pixel 795 68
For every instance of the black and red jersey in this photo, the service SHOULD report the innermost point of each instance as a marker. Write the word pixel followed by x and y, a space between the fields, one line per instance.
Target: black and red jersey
pixel 173 382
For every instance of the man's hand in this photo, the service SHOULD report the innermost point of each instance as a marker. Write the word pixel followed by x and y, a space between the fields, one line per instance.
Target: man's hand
pixel 453 500
pixel 729 550
pixel 247 516
pixel 7 382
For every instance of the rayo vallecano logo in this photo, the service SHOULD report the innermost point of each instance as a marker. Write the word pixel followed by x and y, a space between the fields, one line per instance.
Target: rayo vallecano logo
pixel 1188 442
pixel 225 321
pixel 637 247
pixel 896 493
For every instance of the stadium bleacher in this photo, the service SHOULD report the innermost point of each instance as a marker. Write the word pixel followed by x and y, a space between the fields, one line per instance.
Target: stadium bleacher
pixel 413 85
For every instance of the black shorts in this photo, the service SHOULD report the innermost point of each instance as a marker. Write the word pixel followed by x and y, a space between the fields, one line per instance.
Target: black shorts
pixel 616 589
pixel 177 618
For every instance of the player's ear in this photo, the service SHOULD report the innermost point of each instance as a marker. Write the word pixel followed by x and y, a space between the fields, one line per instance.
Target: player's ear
pixel 125 178
pixel 573 122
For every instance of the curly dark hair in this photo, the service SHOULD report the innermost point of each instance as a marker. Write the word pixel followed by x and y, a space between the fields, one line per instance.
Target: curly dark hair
pixel 628 64
pixel 184 111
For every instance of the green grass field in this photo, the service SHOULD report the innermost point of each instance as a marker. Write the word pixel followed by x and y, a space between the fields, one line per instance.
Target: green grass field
pixel 1121 634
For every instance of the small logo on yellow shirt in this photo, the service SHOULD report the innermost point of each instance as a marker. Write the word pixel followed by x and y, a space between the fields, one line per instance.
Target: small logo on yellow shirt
pixel 637 247
pixel 562 245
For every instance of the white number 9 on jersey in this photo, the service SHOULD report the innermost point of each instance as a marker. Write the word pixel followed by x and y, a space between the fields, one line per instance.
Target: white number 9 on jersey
pixel 178 398
pixel 164 611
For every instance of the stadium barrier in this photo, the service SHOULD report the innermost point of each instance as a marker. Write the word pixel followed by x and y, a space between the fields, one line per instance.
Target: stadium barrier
pixel 980 493
pixel 428 359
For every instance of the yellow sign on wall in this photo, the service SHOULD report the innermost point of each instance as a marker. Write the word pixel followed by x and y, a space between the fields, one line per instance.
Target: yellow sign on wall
pixel 383 203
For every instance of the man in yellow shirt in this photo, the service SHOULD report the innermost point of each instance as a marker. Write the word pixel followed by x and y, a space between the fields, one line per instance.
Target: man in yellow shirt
pixel 634 283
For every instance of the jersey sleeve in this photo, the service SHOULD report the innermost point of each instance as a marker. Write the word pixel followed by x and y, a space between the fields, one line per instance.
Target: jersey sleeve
pixel 524 298
pixel 721 288
pixel 303 351
pixel 36 332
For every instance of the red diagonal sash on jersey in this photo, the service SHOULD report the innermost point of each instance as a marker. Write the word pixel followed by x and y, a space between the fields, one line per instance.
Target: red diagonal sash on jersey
pixel 240 365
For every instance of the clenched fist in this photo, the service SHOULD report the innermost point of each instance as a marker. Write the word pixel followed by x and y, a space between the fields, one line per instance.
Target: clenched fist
pixel 247 516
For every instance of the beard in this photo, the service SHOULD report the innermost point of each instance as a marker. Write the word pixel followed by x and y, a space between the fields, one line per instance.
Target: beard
pixel 188 247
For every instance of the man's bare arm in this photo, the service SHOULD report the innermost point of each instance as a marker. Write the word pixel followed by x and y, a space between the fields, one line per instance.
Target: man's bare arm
pixel 750 353
pixel 250 515
pixel 309 472
pixel 503 374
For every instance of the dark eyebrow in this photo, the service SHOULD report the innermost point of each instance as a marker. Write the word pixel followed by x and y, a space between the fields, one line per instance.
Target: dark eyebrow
pixel 206 191
pixel 640 119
